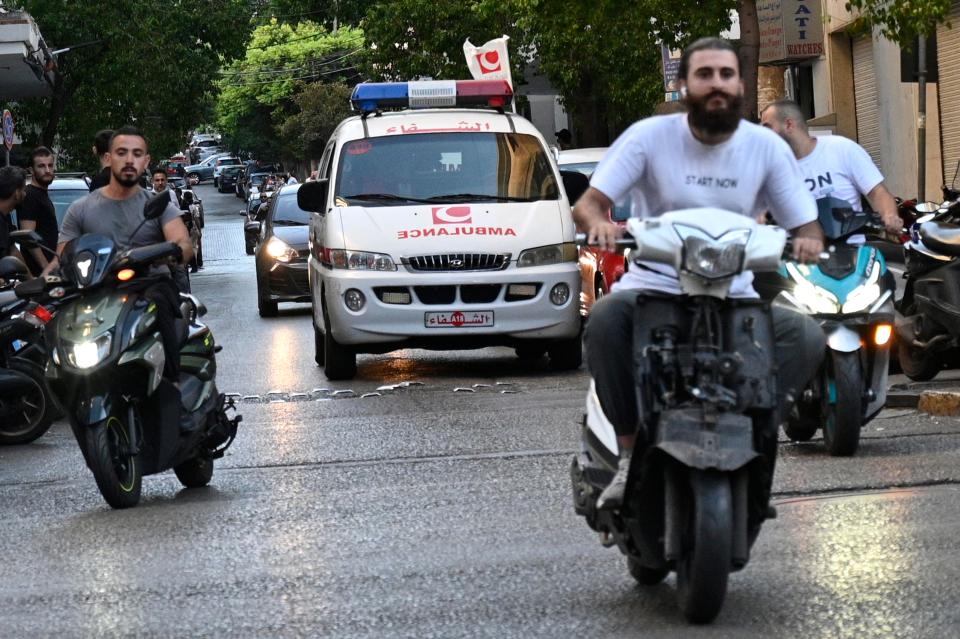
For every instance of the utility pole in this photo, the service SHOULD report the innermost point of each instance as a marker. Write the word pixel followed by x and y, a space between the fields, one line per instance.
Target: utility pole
pixel 921 117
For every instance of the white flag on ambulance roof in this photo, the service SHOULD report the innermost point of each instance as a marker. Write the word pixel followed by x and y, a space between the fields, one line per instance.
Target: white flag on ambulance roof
pixel 490 61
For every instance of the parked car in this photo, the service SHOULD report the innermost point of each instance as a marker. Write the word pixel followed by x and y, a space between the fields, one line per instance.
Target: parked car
pixel 64 191
pixel 203 170
pixel 174 167
pixel 255 181
pixel 220 165
pixel 228 178
pixel 282 253
pixel 599 270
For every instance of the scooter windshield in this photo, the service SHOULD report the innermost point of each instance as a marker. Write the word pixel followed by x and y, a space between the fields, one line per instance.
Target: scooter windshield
pixel 86 260
pixel 838 219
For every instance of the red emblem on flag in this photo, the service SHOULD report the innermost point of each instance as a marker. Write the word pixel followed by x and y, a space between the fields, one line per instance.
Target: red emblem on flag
pixel 489 62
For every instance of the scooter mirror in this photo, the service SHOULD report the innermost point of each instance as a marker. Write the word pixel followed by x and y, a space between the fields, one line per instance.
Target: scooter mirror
pixel 927 207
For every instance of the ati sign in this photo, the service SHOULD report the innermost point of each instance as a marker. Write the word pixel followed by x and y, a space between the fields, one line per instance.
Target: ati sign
pixel 789 30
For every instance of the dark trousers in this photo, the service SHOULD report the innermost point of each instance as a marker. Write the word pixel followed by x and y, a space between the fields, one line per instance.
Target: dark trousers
pixel 800 348
pixel 164 294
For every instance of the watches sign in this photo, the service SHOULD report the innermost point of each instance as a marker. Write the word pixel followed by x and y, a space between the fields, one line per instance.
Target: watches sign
pixel 789 30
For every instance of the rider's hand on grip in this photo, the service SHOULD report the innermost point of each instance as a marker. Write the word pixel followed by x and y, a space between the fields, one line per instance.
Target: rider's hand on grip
pixel 604 235
pixel 807 250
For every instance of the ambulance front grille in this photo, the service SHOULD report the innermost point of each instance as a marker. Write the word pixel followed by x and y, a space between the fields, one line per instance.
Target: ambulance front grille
pixel 458 262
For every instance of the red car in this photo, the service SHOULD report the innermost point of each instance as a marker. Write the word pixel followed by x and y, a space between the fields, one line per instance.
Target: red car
pixel 599 270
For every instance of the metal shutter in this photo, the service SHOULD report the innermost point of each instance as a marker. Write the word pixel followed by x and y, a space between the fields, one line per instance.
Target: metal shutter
pixel 865 96
pixel 948 59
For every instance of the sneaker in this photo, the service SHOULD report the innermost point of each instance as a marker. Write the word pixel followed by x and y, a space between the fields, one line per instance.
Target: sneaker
pixel 612 496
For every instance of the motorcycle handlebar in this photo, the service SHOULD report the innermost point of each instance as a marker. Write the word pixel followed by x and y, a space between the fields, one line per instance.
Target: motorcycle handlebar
pixel 627 241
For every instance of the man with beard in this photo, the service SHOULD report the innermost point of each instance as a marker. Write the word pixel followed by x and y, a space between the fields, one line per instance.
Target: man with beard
pixel 36 212
pixel 116 210
pixel 708 156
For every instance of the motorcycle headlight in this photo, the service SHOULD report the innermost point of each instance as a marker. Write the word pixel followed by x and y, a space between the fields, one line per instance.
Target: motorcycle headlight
pixel 89 354
pixel 817 299
pixel 712 258
pixel 552 254
pixel 280 250
pixel 863 296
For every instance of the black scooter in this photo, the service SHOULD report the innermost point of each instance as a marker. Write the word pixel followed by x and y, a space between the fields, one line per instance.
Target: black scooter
pixel 26 405
pixel 107 362
pixel 928 329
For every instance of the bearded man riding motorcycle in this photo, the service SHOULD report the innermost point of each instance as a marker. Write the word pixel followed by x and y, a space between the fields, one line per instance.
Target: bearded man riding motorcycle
pixel 710 157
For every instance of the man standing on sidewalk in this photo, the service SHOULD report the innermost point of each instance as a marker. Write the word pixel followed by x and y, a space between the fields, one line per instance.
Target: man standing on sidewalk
pixel 12 183
pixel 101 149
pixel 36 212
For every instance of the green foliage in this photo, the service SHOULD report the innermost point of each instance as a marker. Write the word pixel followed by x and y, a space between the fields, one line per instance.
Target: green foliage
pixel 257 92
pixel 902 21
pixel 320 108
pixel 153 65
pixel 412 38
pixel 346 12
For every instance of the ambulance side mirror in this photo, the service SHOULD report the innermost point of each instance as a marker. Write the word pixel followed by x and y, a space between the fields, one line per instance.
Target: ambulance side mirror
pixel 312 196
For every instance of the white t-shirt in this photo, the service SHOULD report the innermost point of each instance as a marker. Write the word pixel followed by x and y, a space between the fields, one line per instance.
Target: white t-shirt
pixel 840 168
pixel 665 168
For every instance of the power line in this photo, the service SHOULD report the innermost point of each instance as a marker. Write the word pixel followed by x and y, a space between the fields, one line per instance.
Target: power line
pixel 309 37
pixel 277 70
pixel 308 76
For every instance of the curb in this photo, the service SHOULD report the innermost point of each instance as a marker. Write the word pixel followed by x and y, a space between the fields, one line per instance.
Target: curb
pixel 943 403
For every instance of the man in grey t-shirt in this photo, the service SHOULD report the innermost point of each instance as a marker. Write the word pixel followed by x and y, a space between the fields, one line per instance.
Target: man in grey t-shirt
pixel 116 210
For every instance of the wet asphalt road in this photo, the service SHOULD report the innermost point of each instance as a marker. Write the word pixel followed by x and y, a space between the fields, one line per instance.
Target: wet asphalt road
pixel 427 511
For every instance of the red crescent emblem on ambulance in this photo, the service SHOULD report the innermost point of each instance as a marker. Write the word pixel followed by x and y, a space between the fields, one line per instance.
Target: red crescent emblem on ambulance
pixel 489 62
pixel 451 215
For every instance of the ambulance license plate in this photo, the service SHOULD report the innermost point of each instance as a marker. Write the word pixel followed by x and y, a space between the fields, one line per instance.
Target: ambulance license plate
pixel 458 319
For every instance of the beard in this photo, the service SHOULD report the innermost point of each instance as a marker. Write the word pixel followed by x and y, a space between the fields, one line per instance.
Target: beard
pixel 125 181
pixel 715 121
pixel 43 182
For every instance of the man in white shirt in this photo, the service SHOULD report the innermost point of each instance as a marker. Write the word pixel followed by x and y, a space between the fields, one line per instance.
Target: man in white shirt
pixel 832 165
pixel 708 156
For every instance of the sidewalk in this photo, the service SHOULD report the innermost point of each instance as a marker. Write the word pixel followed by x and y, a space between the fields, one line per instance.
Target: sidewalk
pixel 939 396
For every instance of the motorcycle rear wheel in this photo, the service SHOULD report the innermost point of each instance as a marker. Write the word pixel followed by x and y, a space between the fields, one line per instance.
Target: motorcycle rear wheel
pixel 703 571
pixel 804 425
pixel 918 364
pixel 28 416
pixel 118 476
pixel 195 473
pixel 844 418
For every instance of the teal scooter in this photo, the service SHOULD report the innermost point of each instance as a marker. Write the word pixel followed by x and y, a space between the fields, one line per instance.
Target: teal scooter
pixel 851 294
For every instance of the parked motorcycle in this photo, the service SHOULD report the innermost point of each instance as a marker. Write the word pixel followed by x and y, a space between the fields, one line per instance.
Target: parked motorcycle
pixel 928 330
pixel 107 363
pixel 706 376
pixel 850 294
pixel 26 405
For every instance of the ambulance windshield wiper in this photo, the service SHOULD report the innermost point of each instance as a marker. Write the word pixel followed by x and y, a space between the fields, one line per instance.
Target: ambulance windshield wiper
pixel 390 197
pixel 478 197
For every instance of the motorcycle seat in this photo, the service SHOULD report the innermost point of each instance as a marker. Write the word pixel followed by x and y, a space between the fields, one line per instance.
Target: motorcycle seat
pixel 941 237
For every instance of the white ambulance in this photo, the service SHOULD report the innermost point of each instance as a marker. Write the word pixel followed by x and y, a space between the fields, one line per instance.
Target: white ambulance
pixel 441 222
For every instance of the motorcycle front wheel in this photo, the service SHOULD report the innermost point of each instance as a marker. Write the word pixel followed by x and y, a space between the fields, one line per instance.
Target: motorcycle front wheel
pixel 704 569
pixel 117 472
pixel 844 416
pixel 28 416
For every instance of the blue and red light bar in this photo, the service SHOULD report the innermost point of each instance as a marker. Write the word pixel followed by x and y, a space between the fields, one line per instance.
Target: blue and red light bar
pixel 375 96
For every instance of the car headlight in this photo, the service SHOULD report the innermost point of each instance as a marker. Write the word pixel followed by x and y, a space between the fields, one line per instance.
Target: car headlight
pixel 89 354
pixel 358 260
pixel 712 258
pixel 866 294
pixel 552 254
pixel 280 250
pixel 817 299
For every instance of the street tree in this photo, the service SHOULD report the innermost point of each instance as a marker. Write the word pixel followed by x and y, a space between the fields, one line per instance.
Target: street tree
pixel 319 108
pixel 148 63
pixel 326 12
pixel 902 21
pixel 257 92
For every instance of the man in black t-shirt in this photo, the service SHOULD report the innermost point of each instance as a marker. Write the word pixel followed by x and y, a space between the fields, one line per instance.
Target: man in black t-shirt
pixel 36 212
pixel 12 182
pixel 101 149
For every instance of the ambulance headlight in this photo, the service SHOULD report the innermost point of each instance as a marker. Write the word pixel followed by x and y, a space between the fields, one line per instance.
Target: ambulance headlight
pixel 545 255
